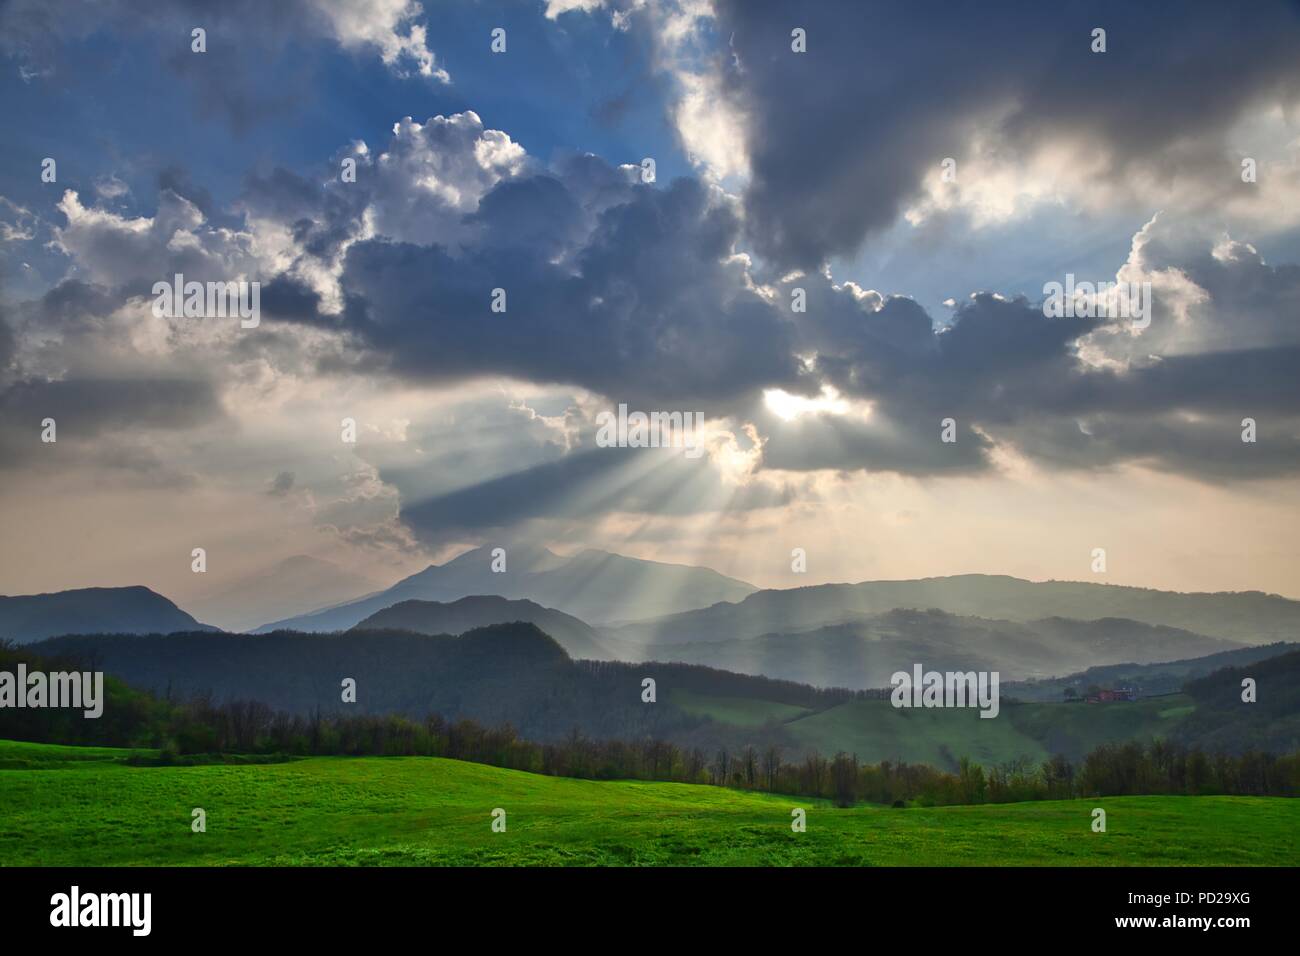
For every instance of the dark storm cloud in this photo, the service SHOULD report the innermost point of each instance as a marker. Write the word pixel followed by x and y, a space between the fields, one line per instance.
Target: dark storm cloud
pixel 106 408
pixel 995 363
pixel 1208 448
pixel 1003 370
pixel 287 299
pixel 321 221
pixel 996 353
pixel 841 136
pixel 1182 414
pixel 537 214
pixel 649 308
pixel 634 293
pixel 1213 382
pixel 83 409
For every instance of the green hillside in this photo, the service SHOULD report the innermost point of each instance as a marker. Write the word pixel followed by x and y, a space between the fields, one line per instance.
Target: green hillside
pixel 737 711
pixel 1075 729
pixel 417 811
pixel 19 755
pixel 875 730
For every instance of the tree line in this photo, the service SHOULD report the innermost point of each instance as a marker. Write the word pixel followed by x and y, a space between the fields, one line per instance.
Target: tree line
pixel 183 731
pixel 1128 769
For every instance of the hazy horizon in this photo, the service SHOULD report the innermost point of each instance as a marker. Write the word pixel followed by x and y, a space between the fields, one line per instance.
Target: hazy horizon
pixel 803 581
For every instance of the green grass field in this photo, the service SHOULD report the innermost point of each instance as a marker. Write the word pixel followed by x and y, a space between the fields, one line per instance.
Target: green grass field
pixel 67 810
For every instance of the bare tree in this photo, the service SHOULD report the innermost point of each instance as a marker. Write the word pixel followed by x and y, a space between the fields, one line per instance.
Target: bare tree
pixel 721 767
pixel 844 779
pixel 771 766
pixel 749 765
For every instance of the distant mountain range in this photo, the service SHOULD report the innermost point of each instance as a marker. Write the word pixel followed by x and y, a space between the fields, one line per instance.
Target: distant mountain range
pixel 865 652
pixel 1244 617
pixel 734 667
pixel 595 586
pixel 433 617
pixel 130 610
pixel 835 635
pixel 295 585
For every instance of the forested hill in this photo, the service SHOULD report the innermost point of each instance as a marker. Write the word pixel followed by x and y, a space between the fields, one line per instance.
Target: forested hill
pixel 1224 722
pixel 129 610
pixel 508 673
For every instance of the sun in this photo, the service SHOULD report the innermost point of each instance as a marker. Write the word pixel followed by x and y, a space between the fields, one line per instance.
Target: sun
pixel 788 407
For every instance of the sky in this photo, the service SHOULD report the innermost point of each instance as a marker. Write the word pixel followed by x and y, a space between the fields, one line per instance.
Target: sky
pixel 841 259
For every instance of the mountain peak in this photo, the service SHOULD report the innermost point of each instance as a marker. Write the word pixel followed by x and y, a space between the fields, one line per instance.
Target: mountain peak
pixel 520 556
pixel 595 586
pixel 134 609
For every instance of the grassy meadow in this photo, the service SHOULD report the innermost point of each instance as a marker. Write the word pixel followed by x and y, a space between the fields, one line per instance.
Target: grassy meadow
pixel 66 806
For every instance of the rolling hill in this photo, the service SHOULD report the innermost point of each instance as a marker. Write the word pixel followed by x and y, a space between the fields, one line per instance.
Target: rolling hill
pixel 129 610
